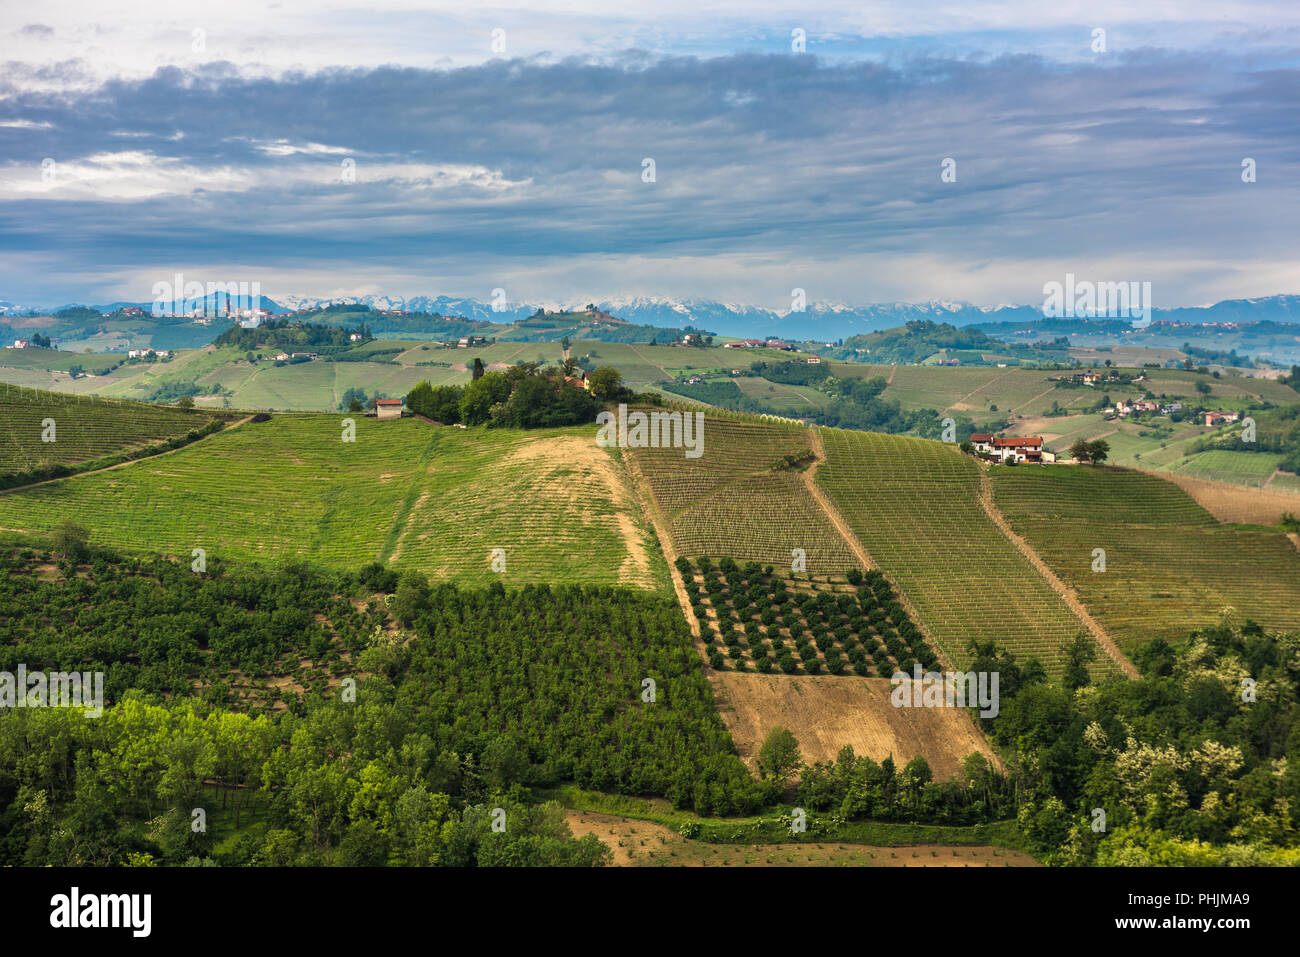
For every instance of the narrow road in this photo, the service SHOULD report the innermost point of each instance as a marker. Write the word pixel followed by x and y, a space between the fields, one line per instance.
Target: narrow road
pixel 827 506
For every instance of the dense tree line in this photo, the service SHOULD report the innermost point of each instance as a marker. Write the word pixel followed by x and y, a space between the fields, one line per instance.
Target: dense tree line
pixel 860 788
pixel 462 703
pixel 1196 762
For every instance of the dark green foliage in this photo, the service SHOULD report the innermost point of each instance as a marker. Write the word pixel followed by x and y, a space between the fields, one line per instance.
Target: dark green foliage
pixel 860 788
pixel 292 335
pixel 1182 754
pixel 488 692
pixel 440 403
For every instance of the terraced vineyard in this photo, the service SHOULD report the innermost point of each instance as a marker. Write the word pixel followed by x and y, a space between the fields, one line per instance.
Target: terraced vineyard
pixel 1170 566
pixel 914 504
pixel 85 428
pixel 769 622
pixel 742 497
pixel 410 494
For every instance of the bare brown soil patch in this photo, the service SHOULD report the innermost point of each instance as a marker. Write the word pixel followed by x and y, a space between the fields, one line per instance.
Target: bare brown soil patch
pixel 1235 503
pixel 826 712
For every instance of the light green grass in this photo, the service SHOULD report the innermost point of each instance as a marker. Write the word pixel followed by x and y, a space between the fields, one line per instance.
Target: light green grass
pixel 405 492
pixel 1223 465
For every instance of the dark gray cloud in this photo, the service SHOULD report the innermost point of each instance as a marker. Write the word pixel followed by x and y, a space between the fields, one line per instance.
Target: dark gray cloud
pixel 778 159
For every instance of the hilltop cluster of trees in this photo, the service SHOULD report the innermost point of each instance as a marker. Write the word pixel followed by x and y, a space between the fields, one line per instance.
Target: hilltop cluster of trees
pixel 1096 451
pixel 915 341
pixel 525 396
pixel 293 335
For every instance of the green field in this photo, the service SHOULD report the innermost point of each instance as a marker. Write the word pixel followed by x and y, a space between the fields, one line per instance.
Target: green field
pixel 914 504
pixel 1170 566
pixel 84 429
pixel 793 400
pixel 740 500
pixel 407 493
pixel 1222 465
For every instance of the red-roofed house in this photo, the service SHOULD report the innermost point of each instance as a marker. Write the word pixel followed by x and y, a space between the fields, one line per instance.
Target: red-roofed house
pixel 388 408
pixel 1017 448
pixel 1217 418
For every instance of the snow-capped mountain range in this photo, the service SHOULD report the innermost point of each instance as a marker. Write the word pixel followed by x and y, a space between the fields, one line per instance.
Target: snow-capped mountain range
pixel 819 320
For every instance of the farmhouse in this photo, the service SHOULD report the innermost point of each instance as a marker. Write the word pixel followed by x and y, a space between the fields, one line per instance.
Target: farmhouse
pixel 744 344
pixel 22 343
pixel 1014 448
pixel 466 342
pixel 814 360
pixel 388 408
pixel 1217 418
pixel 580 381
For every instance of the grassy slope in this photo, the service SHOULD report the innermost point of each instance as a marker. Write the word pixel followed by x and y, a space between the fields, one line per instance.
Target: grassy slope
pixel 914 504
pixel 418 496
pixel 1170 567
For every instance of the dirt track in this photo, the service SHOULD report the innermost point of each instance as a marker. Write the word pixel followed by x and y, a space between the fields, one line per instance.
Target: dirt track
pixel 1067 594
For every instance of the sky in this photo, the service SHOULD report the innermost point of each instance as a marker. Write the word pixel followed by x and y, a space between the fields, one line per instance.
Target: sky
pixel 861 152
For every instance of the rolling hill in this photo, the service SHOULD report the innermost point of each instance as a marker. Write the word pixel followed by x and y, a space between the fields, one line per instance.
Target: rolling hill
pixel 915 505
pixel 404 493
pixel 1170 566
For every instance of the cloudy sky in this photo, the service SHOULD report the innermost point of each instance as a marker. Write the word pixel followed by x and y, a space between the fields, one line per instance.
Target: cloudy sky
pixel 410 148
